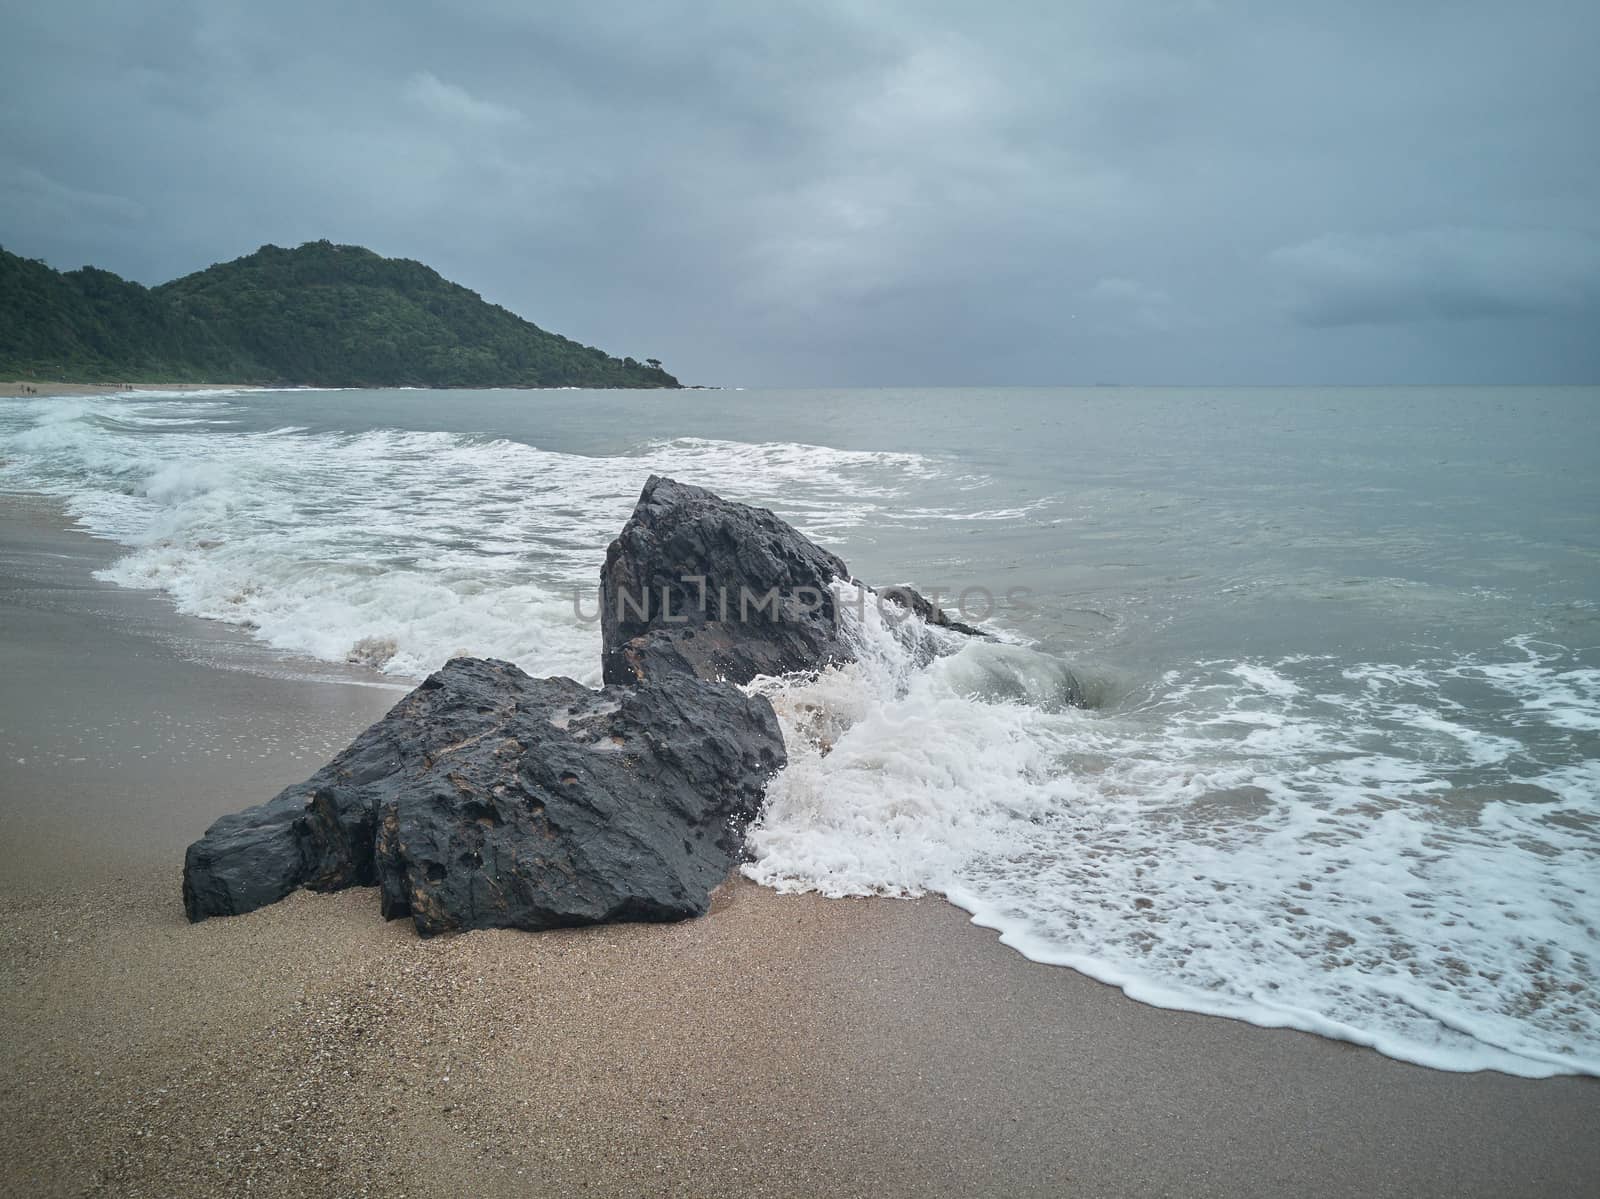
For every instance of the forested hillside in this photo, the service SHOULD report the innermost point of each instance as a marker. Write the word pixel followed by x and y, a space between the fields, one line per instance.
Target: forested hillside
pixel 320 315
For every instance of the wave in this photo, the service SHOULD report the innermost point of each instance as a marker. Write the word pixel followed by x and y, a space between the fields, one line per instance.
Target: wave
pixel 1286 843
pixel 335 545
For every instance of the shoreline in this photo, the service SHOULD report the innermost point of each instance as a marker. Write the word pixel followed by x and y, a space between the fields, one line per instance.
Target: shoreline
pixel 44 390
pixel 782 1044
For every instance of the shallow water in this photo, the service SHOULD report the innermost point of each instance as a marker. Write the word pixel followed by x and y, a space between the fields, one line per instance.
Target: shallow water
pixel 1342 771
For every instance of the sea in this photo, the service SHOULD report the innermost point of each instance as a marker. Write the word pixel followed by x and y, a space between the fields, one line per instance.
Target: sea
pixel 1339 768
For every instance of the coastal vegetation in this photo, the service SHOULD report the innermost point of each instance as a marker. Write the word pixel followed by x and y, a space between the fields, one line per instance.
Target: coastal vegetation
pixel 318 315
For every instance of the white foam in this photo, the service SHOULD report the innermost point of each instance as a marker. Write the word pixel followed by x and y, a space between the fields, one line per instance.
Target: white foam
pixel 1226 843
pixel 1567 699
pixel 433 543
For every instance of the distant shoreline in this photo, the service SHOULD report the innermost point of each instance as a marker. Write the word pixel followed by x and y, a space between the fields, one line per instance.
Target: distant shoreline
pixel 44 389
pixel 40 387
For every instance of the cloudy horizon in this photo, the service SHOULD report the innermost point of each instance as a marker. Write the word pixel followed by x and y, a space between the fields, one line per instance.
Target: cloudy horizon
pixel 1181 192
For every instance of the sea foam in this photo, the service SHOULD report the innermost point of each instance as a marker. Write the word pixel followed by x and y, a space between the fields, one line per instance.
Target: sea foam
pixel 1224 840
pixel 341 545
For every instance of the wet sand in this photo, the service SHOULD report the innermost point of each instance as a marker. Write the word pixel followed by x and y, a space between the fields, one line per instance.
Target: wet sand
pixel 780 1046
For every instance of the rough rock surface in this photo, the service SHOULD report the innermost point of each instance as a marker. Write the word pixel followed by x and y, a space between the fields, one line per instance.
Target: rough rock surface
pixel 701 585
pixel 489 799
pixel 698 584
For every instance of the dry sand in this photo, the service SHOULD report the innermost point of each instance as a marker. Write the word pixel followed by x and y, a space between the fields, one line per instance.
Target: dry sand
pixel 780 1046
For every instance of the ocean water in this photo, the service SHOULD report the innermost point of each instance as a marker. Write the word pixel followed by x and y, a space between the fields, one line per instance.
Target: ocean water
pixel 1341 767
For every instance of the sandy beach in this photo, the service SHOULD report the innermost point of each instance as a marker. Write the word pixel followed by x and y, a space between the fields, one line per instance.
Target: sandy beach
pixel 783 1045
pixel 20 387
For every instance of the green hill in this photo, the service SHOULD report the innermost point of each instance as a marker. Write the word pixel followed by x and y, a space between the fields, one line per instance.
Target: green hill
pixel 93 326
pixel 320 315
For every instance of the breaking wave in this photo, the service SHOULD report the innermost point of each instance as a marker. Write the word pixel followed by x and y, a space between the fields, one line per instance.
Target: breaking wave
pixel 1289 843
pixel 394 548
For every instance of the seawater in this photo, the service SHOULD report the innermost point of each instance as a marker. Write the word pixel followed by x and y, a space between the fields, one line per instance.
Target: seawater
pixel 1341 771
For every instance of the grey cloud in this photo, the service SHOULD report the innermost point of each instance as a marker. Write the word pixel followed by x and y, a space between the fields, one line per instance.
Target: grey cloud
pixel 455 102
pixel 1129 303
pixel 836 193
pixel 28 190
pixel 1441 275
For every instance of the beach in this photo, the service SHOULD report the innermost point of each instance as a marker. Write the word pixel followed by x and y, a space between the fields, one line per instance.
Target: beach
pixel 851 601
pixel 25 387
pixel 782 1045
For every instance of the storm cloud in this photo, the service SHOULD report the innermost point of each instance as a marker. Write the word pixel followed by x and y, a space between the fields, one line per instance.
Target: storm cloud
pixel 1443 274
pixel 1175 191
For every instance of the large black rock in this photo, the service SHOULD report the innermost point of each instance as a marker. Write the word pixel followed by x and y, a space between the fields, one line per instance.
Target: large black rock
pixel 489 799
pixel 700 585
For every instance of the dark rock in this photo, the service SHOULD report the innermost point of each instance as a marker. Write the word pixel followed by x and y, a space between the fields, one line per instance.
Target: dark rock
pixel 914 601
pixel 699 584
pixel 489 799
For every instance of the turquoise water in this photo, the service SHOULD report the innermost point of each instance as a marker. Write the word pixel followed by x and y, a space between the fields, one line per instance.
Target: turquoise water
pixel 1343 768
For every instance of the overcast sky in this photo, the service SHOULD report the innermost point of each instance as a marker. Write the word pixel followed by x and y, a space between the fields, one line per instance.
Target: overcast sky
pixel 1162 191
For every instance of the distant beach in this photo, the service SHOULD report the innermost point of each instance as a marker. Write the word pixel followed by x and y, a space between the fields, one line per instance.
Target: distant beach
pixel 24 387
pixel 781 1045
